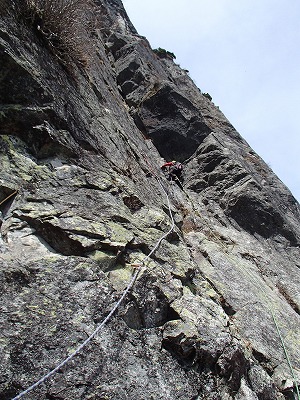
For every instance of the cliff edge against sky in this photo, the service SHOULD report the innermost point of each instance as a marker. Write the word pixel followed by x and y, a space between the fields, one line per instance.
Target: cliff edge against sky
pixel 88 114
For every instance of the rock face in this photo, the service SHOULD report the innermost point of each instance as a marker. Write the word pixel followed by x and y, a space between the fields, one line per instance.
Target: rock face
pixel 82 201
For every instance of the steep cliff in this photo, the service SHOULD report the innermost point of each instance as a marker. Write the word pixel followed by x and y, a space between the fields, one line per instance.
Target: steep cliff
pixel 85 126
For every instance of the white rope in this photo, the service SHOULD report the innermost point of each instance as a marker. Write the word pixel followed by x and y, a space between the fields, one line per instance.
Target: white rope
pixel 107 318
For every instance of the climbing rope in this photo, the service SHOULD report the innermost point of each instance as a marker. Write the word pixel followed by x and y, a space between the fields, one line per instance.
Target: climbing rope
pixel 108 317
pixel 232 260
pixel 286 354
pixel 130 285
pixel 79 348
pixel 8 197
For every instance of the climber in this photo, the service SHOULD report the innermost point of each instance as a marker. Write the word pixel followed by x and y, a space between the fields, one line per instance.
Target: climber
pixel 173 171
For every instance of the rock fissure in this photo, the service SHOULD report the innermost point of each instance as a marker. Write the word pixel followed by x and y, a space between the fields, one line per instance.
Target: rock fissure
pixel 84 145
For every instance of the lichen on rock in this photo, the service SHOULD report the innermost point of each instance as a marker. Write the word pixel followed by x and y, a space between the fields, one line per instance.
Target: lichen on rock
pixel 83 203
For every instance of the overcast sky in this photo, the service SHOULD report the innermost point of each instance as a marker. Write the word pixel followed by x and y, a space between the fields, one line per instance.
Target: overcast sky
pixel 246 55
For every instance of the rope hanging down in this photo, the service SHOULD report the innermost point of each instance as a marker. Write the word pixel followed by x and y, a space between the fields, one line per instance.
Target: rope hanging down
pixel 231 259
pixel 270 307
pixel 286 354
pixel 8 197
pixel 108 317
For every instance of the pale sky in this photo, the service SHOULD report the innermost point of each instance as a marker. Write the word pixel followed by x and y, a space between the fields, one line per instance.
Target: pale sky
pixel 246 55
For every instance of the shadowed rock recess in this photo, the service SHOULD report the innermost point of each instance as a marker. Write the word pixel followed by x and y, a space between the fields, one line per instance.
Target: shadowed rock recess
pixel 80 144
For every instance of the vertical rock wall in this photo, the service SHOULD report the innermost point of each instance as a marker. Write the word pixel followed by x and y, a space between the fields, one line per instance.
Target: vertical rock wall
pixel 80 151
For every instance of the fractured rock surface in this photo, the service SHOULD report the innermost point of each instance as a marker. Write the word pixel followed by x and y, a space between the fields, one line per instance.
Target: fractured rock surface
pixel 82 201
